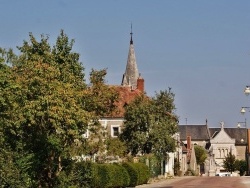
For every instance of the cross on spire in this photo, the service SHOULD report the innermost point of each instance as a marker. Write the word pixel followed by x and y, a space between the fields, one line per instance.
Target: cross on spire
pixel 131 33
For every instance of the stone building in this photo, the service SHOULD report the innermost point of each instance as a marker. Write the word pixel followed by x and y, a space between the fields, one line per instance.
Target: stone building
pixel 218 142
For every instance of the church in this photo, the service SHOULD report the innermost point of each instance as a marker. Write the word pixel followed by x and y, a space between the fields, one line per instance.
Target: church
pixel 218 142
pixel 132 85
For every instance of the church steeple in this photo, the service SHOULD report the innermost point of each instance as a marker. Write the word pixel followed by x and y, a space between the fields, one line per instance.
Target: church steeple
pixel 131 73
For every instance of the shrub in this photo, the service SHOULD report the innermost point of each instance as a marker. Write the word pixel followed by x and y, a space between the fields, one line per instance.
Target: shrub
pixel 143 173
pixel 133 174
pixel 154 164
pixel 109 176
pixel 75 175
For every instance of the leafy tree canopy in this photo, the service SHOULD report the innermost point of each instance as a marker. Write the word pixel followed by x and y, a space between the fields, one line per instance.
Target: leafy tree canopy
pixel 200 153
pixel 46 106
pixel 150 124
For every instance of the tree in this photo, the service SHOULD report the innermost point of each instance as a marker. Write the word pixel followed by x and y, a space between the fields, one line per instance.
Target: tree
pixel 47 107
pixel 241 166
pixel 49 118
pixel 99 99
pixel 115 147
pixel 229 162
pixel 200 154
pixel 11 174
pixel 150 124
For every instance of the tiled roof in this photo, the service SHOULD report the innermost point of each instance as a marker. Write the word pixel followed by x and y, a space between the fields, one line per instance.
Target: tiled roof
pixel 236 133
pixel 126 95
pixel 197 132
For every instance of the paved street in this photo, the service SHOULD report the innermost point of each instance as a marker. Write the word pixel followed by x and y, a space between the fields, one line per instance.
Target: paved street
pixel 202 182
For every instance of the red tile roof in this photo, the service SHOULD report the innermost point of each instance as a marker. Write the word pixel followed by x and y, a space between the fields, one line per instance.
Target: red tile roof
pixel 126 95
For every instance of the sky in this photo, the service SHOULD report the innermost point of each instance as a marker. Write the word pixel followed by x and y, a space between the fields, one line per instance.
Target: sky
pixel 199 49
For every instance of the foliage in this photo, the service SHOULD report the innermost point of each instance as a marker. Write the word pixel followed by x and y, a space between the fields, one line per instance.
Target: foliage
pixel 150 124
pixel 177 166
pixel 12 168
pixel 190 172
pixel 110 175
pixel 45 109
pixel 200 154
pixel 153 162
pixel 143 173
pixel 78 174
pixel 115 147
pixel 229 162
pixel 241 166
pixel 99 99
pixel 134 176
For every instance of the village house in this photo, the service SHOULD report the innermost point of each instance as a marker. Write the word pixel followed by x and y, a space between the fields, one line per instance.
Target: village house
pixel 218 142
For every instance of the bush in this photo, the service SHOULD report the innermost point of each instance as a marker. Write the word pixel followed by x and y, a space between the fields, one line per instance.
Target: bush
pixel 76 175
pixel 154 164
pixel 109 176
pixel 143 173
pixel 133 174
pixel 93 175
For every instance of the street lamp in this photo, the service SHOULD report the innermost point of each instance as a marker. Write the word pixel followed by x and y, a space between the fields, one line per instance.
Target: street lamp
pixel 247 90
pixel 243 122
pixel 243 110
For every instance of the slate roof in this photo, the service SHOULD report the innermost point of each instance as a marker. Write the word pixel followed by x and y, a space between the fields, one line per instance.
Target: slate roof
pixel 131 73
pixel 236 133
pixel 197 132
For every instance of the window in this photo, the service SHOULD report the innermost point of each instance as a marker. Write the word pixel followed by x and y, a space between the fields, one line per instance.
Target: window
pixel 115 130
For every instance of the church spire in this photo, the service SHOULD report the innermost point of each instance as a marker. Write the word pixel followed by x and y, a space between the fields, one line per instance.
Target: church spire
pixel 131 73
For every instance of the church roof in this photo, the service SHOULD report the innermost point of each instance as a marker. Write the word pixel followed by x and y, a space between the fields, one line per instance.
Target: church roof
pixel 197 132
pixel 131 73
pixel 237 133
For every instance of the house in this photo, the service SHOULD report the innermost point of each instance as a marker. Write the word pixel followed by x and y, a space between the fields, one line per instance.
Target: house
pixel 225 140
pixel 132 85
pixel 191 135
pixel 218 142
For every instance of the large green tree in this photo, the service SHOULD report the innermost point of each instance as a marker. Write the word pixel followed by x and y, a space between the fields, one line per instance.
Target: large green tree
pixel 49 107
pixel 11 174
pixel 241 166
pixel 150 124
pixel 49 119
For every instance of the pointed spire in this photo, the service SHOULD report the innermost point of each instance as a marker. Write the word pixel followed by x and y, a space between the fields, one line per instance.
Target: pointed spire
pixel 131 73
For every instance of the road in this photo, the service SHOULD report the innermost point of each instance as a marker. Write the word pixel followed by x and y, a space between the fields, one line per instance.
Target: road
pixel 202 182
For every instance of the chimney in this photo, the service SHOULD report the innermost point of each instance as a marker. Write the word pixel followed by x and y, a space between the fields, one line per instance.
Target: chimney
pixel 189 142
pixel 140 83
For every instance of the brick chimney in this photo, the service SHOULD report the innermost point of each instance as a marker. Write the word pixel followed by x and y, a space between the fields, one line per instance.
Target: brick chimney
pixel 188 142
pixel 140 83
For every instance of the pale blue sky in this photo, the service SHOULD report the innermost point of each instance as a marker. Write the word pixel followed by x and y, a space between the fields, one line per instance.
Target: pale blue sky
pixel 201 49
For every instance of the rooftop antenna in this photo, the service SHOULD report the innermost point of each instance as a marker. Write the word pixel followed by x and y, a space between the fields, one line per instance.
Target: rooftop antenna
pixel 131 33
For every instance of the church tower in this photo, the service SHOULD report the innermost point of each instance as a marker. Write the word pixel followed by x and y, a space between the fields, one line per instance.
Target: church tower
pixel 131 73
